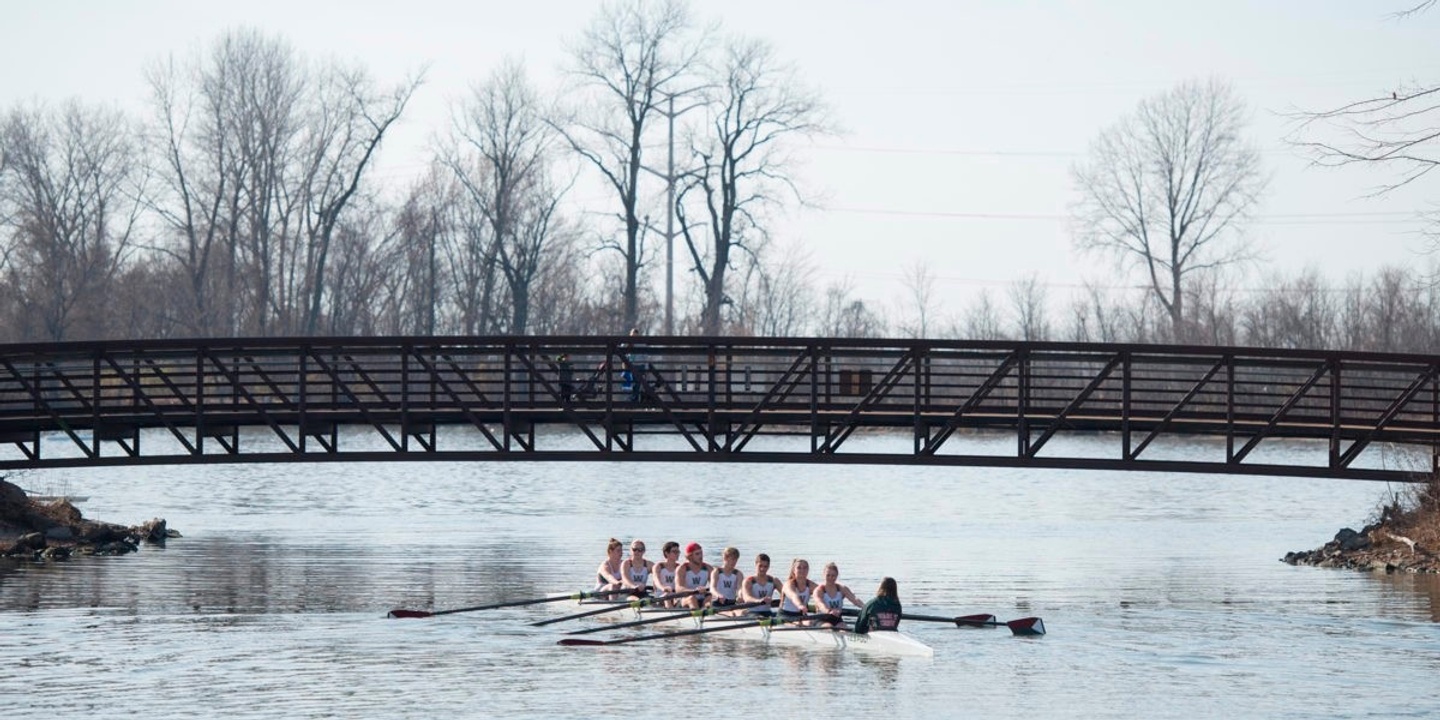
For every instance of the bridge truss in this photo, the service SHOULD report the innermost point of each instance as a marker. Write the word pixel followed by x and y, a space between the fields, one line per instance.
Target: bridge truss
pixel 1191 409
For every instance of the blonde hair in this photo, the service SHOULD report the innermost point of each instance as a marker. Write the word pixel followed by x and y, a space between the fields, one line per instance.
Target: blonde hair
pixel 730 552
pixel 795 564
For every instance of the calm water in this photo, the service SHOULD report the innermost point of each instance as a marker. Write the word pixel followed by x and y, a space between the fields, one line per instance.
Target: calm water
pixel 1163 595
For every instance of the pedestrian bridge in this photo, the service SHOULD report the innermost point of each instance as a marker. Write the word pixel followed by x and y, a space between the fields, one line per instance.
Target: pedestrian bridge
pixel 769 400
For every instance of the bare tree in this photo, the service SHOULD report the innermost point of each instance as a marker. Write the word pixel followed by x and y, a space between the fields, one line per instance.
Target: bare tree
pixel 350 119
pixel 629 58
pixel 845 316
pixel 782 302
pixel 70 196
pixel 1169 190
pixel 919 286
pixel 501 152
pixel 982 319
pixel 1028 297
pixel 757 104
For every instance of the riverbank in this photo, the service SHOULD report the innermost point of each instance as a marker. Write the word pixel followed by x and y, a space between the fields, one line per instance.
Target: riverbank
pixel 1405 538
pixel 56 530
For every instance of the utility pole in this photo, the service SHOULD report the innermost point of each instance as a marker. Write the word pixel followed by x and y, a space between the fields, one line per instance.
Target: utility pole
pixel 670 177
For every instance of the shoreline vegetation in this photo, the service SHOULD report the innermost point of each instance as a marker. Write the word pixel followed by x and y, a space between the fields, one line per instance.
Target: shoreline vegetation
pixel 1402 537
pixel 56 530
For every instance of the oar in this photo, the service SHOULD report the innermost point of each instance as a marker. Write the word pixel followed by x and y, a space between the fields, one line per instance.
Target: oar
pixel 699 614
pixel 637 604
pixel 1022 626
pixel 767 622
pixel 398 613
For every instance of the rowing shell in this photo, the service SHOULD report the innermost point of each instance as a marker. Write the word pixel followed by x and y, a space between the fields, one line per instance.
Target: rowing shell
pixel 892 643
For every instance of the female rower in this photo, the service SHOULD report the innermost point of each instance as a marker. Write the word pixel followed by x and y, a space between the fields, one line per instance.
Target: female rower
pixel 725 581
pixel 607 576
pixel 635 571
pixel 759 587
pixel 882 613
pixel 663 573
pixel 832 595
pixel 693 576
pixel 795 593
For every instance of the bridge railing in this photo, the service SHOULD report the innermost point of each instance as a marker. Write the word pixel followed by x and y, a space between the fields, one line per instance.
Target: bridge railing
pixel 716 394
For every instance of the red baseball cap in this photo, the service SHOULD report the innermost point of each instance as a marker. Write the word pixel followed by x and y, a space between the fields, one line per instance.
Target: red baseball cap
pixel 692 547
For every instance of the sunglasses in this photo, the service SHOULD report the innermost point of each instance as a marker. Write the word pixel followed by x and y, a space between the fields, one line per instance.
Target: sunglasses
pixel 638 549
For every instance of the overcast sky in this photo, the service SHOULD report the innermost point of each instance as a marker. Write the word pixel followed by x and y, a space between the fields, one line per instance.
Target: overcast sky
pixel 961 119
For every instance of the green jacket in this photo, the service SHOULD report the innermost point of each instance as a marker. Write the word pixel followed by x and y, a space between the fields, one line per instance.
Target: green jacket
pixel 881 613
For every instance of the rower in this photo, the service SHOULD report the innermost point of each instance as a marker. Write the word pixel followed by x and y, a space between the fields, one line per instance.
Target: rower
pixel 693 575
pixel 635 570
pixel 831 595
pixel 725 581
pixel 663 573
pixel 607 576
pixel 883 612
pixel 759 587
pixel 795 593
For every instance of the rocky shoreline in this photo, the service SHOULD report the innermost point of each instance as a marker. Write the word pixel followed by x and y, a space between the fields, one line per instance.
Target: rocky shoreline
pixel 56 530
pixel 1377 547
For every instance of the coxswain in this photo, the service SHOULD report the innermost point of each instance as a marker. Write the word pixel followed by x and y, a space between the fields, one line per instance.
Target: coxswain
pixel 883 612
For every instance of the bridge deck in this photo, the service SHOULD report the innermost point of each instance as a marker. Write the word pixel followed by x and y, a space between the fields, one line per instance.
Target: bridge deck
pixel 494 398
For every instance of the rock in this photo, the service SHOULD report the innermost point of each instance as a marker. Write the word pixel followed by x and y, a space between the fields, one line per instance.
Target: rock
pixel 55 553
pixel 60 533
pixel 1351 541
pixel 64 512
pixel 31 541
pixel 152 531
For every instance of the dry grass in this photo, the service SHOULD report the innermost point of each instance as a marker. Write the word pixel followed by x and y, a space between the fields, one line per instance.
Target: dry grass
pixel 1415 514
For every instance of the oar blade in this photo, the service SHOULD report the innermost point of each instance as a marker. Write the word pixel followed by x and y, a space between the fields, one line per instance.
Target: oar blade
pixel 975 621
pixel 399 613
pixel 586 642
pixel 1027 627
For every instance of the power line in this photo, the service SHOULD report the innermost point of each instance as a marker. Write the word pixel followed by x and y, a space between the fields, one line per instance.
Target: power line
pixel 1337 218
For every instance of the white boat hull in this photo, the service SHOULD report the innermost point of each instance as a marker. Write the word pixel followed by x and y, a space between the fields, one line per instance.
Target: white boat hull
pixel 892 643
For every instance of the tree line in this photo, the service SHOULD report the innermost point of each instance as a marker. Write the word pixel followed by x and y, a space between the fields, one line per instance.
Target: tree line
pixel 244 201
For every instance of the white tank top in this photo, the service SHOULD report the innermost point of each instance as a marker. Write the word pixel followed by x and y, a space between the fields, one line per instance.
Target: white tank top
pixel 727 585
pixel 804 594
pixel 832 602
pixel 665 577
pixel 763 590
pixel 695 579
pixel 639 574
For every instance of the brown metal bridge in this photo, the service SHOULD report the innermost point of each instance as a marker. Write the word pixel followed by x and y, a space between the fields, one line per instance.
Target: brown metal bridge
pixel 1171 408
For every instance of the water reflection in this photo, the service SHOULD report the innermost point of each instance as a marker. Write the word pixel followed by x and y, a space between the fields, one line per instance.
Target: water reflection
pixel 1405 587
pixel 275 598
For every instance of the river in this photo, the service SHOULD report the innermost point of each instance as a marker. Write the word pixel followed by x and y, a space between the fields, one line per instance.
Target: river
pixel 1163 594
